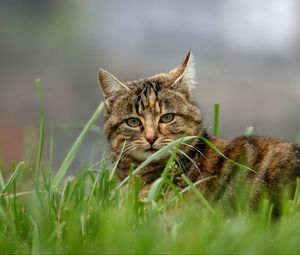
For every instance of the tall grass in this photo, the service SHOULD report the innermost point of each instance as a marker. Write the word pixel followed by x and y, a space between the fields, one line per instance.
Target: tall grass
pixel 91 212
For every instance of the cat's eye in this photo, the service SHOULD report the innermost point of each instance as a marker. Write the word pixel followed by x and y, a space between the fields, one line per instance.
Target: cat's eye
pixel 166 118
pixel 133 122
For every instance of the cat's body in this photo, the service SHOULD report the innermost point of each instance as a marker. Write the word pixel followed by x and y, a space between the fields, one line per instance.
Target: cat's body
pixel 150 113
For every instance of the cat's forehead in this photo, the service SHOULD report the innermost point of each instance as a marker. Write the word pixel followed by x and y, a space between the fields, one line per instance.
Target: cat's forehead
pixel 148 96
pixel 149 90
pixel 158 80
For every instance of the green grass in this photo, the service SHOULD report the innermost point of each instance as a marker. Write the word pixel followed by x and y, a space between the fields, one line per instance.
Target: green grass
pixel 91 212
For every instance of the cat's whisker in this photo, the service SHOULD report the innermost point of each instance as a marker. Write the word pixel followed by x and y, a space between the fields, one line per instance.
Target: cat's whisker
pixel 129 145
pixel 137 143
pixel 128 149
pixel 178 162
pixel 116 154
pixel 189 158
pixel 125 155
pixel 164 143
pixel 166 140
pixel 194 148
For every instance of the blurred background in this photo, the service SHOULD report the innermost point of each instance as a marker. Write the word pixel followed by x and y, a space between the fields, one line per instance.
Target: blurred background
pixel 247 57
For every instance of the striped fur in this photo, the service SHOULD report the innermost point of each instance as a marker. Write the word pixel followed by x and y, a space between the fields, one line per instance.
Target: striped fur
pixel 275 162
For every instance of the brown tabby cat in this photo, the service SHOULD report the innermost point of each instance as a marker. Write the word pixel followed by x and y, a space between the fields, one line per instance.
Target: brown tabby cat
pixel 150 113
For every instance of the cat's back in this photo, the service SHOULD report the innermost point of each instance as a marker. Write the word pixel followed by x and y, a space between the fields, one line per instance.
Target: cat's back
pixel 264 154
pixel 268 162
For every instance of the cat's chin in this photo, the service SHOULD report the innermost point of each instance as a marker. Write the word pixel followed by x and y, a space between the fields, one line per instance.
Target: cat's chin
pixel 143 155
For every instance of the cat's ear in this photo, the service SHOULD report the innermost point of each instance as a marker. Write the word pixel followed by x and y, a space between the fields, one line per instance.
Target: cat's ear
pixel 109 84
pixel 183 76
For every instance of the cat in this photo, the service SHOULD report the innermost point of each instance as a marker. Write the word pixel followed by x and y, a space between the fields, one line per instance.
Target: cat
pixel 150 113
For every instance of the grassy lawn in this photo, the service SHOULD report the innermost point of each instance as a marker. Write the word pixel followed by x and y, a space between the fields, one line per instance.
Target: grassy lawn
pixel 43 210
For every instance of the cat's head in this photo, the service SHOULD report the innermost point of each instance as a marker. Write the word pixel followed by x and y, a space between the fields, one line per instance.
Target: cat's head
pixel 152 112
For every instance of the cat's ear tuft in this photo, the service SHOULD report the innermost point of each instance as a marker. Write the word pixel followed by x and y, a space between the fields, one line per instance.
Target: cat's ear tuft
pixel 183 75
pixel 109 84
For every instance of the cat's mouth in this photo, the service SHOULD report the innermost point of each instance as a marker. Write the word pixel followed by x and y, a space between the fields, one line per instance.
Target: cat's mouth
pixel 146 153
pixel 151 150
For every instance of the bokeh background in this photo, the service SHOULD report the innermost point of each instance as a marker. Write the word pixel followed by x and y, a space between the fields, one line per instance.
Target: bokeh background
pixel 247 57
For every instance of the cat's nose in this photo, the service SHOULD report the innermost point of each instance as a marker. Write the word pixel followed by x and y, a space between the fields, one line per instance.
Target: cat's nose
pixel 151 138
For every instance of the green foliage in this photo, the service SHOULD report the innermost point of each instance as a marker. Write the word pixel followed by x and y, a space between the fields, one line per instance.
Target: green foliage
pixel 91 212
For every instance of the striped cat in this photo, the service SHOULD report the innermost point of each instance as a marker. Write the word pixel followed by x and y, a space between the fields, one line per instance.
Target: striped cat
pixel 150 113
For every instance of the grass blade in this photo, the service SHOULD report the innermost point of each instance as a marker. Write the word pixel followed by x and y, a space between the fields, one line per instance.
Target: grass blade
pixel 117 162
pixel 216 119
pixel 296 199
pixel 75 147
pixel 2 182
pixel 38 88
pixel 155 189
pixel 35 237
pixel 198 194
pixel 51 139
pixel 13 177
pixel 248 131
pixel 56 232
